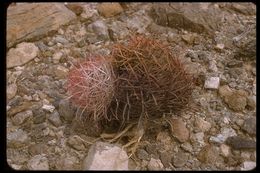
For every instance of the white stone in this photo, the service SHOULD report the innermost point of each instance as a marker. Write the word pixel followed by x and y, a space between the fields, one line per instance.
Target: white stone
pixel 248 165
pixel 38 162
pixel 105 156
pixel 23 53
pixel 49 108
pixel 155 164
pixel 212 83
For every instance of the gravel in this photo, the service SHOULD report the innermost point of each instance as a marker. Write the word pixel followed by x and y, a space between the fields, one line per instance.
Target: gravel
pixel 218 132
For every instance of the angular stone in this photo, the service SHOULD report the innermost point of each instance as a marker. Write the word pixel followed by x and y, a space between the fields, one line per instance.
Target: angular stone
pixel 38 162
pixel 220 46
pixel 100 29
pixel 152 149
pixel 199 137
pixel 88 12
pixel 105 156
pixel 202 124
pixel 246 44
pixel 189 38
pixel 23 53
pixel 248 165
pixel 34 20
pixel 21 117
pixel 57 56
pixel 60 39
pixel 19 108
pixel 199 17
pixel 75 7
pixel 11 91
pixel 224 91
pixel 187 147
pixel 49 108
pixel 251 102
pixel 180 159
pixel 55 119
pixel 61 72
pixel 76 142
pixel 208 154
pixel 39 116
pixel 250 126
pixel 38 148
pixel 65 110
pixel 235 63
pixel 225 150
pixel 212 66
pixel 212 83
pixel 67 162
pixel 221 137
pixel 179 129
pixel 109 9
pixel 17 139
pixel 237 101
pixel 138 23
pixel 155 164
pixel 248 8
pixel 166 158
pixel 239 143
pixel 142 154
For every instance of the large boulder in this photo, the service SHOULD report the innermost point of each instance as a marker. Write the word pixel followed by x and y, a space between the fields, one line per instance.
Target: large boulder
pixel 32 20
pixel 194 17
pixel 105 156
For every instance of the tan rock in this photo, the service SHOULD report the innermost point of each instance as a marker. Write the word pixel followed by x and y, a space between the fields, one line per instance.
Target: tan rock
pixel 75 7
pixel 109 9
pixel 202 124
pixel 11 91
pixel 208 154
pixel 224 91
pixel 23 53
pixel 179 129
pixel 33 20
pixel 237 101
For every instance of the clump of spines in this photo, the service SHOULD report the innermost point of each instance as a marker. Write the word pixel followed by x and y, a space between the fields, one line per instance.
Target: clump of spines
pixel 90 86
pixel 150 80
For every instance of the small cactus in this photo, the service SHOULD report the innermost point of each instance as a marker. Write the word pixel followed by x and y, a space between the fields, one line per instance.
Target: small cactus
pixel 90 86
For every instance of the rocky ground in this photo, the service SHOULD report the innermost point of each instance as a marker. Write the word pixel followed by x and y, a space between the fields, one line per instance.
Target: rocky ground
pixel 217 42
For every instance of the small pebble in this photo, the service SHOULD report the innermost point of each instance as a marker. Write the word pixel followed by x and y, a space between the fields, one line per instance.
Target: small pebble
pixel 212 83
